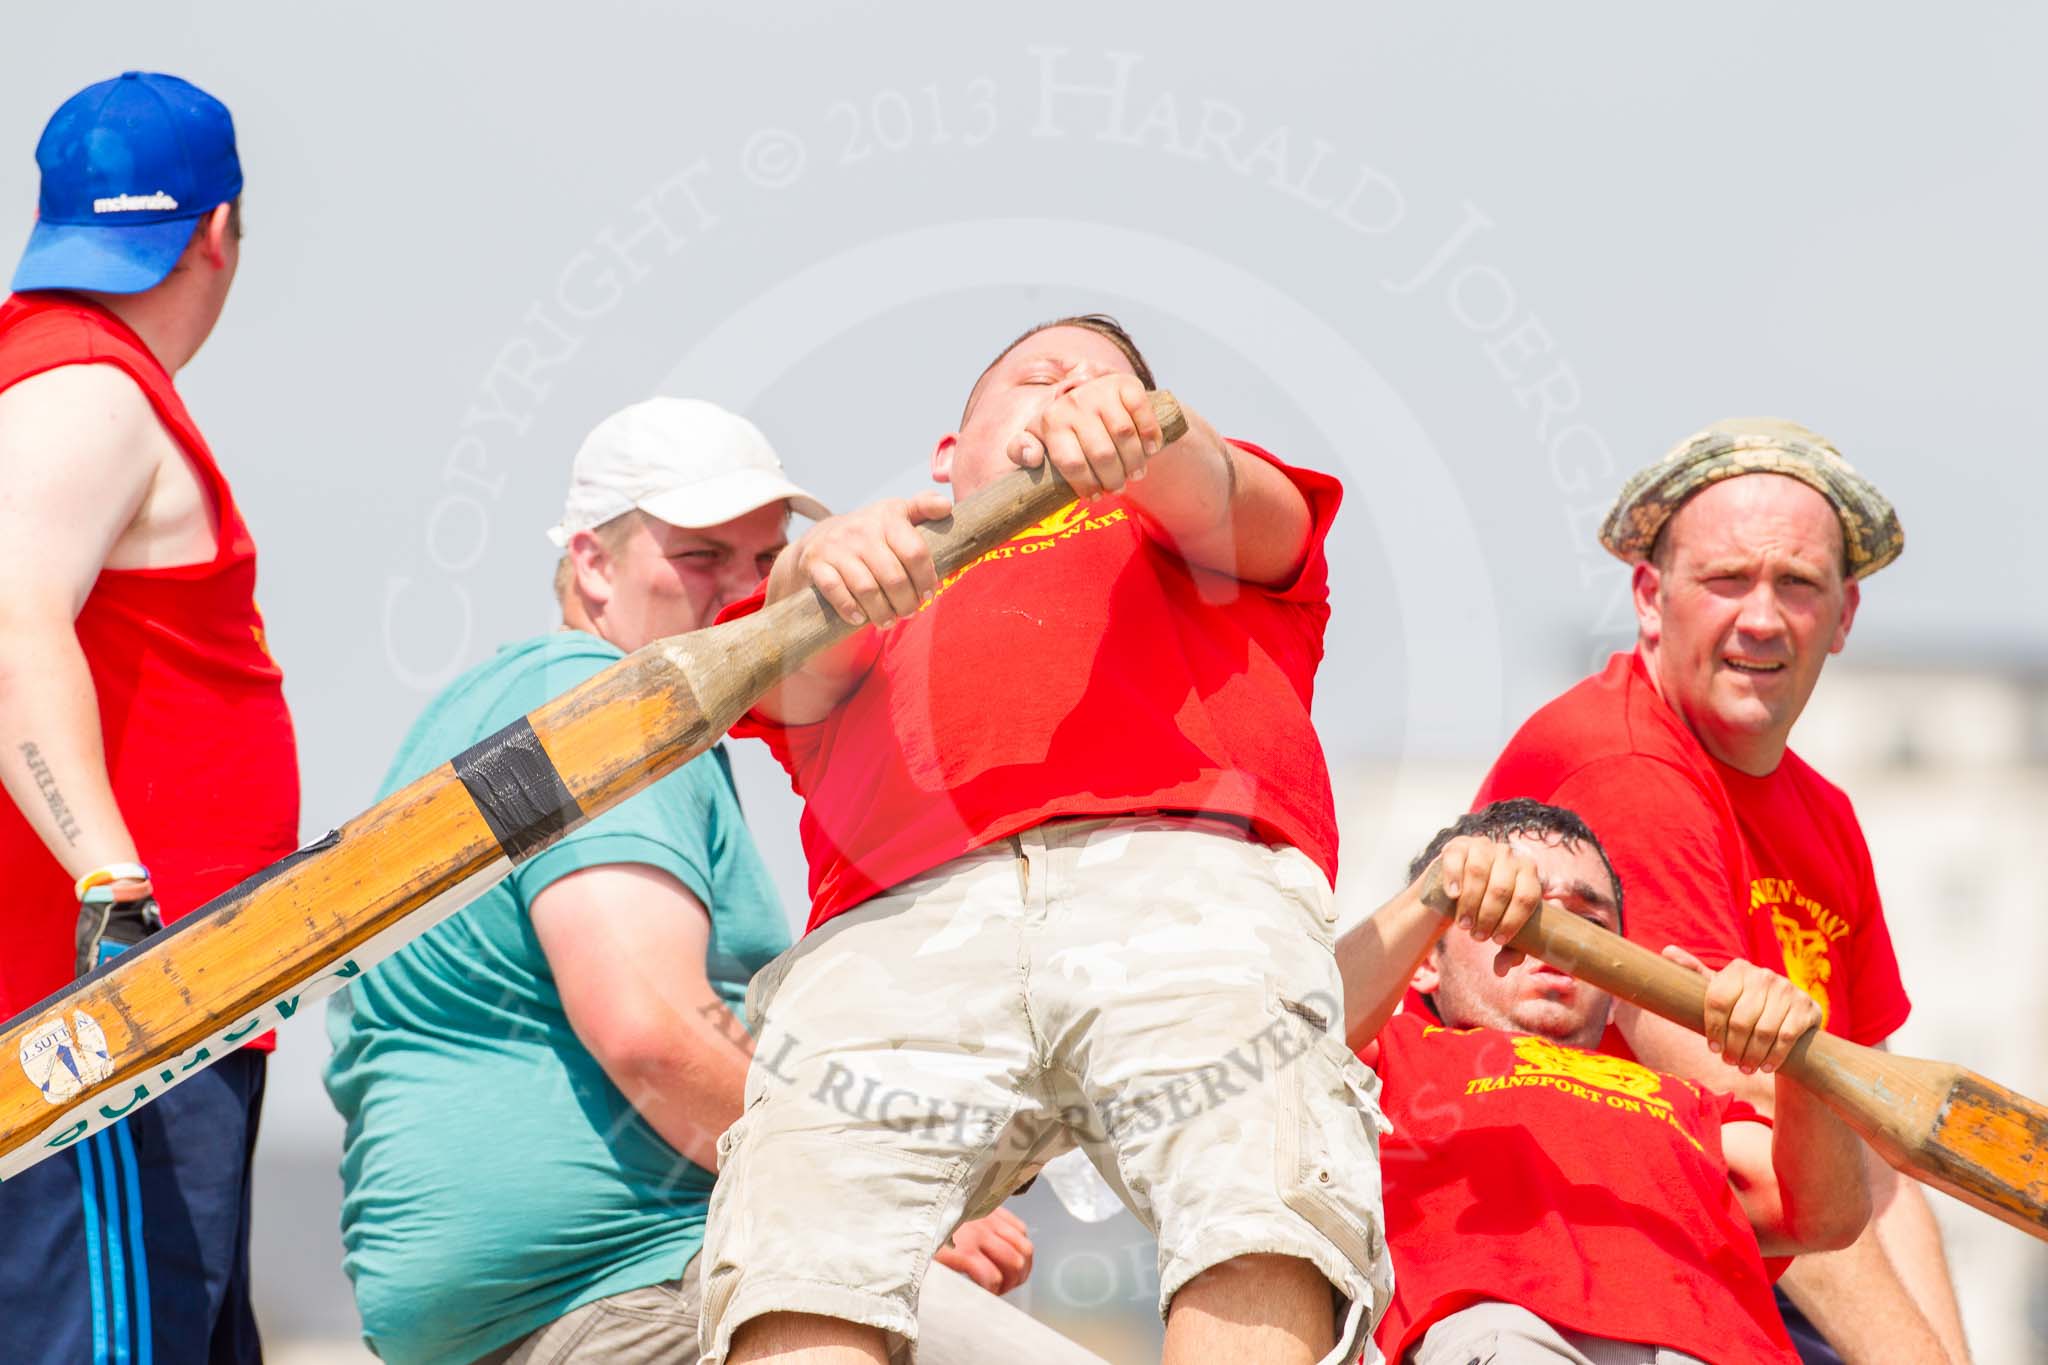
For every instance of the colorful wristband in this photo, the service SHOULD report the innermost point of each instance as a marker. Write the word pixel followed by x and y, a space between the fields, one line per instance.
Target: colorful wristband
pixel 112 872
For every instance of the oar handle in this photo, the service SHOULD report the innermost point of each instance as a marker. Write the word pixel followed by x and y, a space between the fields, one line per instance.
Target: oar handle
pixel 803 623
pixel 1628 971
pixel 1600 957
pixel 1018 499
pixel 731 665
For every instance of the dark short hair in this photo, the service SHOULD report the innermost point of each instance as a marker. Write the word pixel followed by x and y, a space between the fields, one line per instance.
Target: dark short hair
pixel 1100 323
pixel 1505 820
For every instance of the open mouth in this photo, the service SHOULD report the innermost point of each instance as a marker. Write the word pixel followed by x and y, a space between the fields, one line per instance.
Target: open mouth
pixel 1754 666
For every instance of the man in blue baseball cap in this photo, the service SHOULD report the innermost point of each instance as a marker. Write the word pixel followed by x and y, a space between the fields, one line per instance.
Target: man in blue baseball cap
pixel 130 166
pixel 144 741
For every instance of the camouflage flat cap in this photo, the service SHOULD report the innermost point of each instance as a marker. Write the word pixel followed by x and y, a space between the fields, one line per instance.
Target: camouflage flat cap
pixel 1755 445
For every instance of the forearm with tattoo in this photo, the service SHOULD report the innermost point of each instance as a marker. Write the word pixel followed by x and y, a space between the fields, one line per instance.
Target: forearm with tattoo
pixel 46 783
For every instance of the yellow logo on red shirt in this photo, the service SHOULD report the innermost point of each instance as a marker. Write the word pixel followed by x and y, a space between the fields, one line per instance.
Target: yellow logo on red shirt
pixel 1614 1082
pixel 1068 518
pixel 261 636
pixel 1806 930
pixel 1541 1057
pixel 1063 525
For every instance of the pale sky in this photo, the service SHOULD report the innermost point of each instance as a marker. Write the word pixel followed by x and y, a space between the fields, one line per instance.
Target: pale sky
pixel 1481 261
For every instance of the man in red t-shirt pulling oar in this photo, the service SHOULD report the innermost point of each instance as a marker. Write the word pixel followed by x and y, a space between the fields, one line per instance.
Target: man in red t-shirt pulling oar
pixel 1071 842
pixel 1550 1203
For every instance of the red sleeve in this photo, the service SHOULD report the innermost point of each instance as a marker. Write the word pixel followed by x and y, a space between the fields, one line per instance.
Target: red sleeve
pixel 1311 582
pixel 1742 1111
pixel 1666 841
pixel 1877 992
pixel 794 746
pixel 1403 1028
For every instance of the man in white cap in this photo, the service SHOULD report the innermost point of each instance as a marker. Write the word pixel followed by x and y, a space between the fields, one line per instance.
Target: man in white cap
pixel 534 1090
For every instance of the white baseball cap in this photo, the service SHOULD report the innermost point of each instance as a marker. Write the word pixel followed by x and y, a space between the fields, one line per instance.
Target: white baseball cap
pixel 680 460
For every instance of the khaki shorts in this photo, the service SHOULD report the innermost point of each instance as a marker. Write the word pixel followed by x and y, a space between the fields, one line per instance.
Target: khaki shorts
pixel 1505 1334
pixel 1161 992
pixel 960 1322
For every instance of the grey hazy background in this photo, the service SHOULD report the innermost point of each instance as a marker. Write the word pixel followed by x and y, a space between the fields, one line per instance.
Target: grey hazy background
pixel 1480 260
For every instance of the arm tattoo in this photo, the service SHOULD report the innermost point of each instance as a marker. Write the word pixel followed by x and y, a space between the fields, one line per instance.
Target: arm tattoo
pixel 46 783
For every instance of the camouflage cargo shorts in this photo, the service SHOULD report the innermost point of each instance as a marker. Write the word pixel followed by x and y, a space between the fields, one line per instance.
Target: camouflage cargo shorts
pixel 1159 991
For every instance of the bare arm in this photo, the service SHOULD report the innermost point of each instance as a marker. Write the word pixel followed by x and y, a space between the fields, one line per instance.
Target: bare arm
pixel 1912 1239
pixel 1864 1307
pixel 1216 507
pixel 1856 1296
pixel 1494 891
pixel 1222 509
pixel 1800 1180
pixel 1376 958
pixel 872 567
pixel 626 943
pixel 76 464
pixel 1213 505
pixel 1887 1296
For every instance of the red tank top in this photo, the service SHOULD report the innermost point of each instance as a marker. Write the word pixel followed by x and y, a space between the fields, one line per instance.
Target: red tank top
pixel 199 744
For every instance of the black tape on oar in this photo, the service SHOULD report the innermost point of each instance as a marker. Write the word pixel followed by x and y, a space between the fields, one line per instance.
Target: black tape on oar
pixel 517 790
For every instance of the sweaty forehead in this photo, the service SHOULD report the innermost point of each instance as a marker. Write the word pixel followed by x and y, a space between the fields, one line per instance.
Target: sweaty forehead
pixel 1067 347
pixel 1062 347
pixel 1755 511
pixel 1074 345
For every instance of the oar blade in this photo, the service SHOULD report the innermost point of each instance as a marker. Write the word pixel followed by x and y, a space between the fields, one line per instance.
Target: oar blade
pixel 1989 1148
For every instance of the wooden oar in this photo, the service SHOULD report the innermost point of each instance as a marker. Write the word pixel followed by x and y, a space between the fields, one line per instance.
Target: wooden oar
pixel 304 926
pixel 1942 1125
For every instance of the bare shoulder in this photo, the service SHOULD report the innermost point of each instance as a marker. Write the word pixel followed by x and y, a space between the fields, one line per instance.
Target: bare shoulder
pixel 90 414
pixel 80 451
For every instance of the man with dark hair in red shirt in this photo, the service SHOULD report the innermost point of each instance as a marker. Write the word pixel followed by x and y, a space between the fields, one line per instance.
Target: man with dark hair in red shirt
pixel 1547 1203
pixel 1071 841
pixel 1749 542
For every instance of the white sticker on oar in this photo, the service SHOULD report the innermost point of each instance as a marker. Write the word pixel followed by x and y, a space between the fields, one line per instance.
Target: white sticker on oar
pixel 63 1061
pixel 66 1064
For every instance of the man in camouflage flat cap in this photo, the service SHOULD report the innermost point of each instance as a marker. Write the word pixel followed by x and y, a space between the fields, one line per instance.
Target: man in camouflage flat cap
pixel 1749 542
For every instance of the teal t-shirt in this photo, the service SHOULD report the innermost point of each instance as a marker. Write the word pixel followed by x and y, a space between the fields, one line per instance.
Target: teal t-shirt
pixel 493 1177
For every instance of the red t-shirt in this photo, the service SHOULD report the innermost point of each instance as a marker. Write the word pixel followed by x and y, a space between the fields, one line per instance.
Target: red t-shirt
pixel 1587 1189
pixel 1772 869
pixel 1813 893
pixel 1080 669
pixel 199 746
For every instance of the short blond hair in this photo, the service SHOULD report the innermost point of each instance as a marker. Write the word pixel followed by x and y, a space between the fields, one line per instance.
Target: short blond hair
pixel 612 535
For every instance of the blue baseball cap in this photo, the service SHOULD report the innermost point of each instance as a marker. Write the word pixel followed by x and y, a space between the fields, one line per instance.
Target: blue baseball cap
pixel 129 166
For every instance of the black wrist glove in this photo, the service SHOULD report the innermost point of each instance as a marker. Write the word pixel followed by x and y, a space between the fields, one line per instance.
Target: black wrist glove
pixel 107 926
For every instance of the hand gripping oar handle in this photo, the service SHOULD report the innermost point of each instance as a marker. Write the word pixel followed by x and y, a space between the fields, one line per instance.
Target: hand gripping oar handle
pixel 804 623
pixel 1017 500
pixel 301 928
pixel 1939 1123
pixel 1628 971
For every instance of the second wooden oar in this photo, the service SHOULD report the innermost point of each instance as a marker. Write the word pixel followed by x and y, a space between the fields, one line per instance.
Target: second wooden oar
pixel 1939 1123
